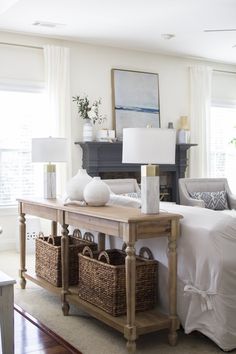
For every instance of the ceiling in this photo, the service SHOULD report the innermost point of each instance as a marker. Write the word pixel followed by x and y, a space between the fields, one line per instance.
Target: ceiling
pixel 133 24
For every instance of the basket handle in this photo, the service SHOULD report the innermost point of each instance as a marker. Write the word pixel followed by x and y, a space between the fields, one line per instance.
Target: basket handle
pixel 77 233
pixel 51 240
pixel 88 237
pixel 87 250
pixel 105 255
pixel 41 235
pixel 148 252
pixel 124 246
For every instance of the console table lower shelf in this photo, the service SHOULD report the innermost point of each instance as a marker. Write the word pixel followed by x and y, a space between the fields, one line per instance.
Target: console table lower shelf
pixel 146 321
pixel 129 225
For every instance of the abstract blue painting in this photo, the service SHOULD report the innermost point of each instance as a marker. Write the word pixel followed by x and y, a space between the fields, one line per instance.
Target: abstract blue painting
pixel 135 100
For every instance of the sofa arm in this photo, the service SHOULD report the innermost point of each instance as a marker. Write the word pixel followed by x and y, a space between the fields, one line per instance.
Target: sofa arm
pixel 185 198
pixel 196 202
pixel 232 200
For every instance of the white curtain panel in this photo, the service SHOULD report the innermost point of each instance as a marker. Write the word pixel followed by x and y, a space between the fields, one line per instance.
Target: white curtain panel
pixel 200 104
pixel 57 72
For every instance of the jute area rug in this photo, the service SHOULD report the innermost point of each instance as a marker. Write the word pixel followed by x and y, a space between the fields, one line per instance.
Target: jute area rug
pixel 86 333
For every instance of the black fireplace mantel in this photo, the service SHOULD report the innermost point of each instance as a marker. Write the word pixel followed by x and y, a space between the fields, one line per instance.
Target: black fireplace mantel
pixel 102 158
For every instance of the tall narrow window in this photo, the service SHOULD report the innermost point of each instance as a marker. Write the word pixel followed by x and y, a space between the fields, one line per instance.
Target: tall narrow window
pixel 222 147
pixel 22 116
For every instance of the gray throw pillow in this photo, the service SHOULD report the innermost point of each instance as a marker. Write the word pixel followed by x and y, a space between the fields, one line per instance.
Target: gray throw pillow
pixel 212 200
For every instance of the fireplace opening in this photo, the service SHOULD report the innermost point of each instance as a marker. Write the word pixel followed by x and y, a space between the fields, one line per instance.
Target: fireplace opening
pixel 165 181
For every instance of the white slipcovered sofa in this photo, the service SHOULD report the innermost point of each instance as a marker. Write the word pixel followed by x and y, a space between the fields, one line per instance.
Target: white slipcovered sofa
pixel 206 288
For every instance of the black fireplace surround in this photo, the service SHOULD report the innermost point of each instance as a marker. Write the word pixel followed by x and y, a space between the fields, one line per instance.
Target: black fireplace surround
pixel 104 159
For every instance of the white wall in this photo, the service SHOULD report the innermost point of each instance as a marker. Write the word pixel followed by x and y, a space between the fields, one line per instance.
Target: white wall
pixel 91 70
pixel 91 74
pixel 8 222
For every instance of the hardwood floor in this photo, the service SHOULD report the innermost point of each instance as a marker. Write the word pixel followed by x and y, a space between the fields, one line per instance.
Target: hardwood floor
pixel 33 337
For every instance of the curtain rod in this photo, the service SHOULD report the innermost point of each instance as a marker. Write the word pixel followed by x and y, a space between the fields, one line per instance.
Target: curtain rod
pixel 21 45
pixel 225 71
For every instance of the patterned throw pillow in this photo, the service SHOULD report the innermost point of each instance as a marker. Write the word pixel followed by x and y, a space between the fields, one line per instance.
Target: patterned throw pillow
pixel 212 200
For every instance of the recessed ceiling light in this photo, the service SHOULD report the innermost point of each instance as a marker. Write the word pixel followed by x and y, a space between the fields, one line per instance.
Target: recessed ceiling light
pixel 167 35
pixel 47 24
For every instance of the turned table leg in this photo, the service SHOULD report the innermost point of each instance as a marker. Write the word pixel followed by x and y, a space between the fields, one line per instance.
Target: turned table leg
pixel 22 232
pixel 130 328
pixel 172 256
pixel 54 228
pixel 101 241
pixel 65 268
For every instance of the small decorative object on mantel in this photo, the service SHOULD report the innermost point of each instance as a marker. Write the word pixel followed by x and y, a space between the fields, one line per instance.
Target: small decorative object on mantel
pixel 183 135
pixel 87 130
pixel 96 192
pixel 105 135
pixel 75 186
pixel 90 113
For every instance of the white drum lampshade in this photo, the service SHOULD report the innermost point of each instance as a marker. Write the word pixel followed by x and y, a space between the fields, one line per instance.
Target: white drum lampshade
pixel 149 146
pixel 49 150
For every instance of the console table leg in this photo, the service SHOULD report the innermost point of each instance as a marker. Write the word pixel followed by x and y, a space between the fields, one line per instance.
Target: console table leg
pixel 130 328
pixel 22 232
pixel 65 268
pixel 101 241
pixel 131 346
pixel 64 305
pixel 172 256
pixel 54 228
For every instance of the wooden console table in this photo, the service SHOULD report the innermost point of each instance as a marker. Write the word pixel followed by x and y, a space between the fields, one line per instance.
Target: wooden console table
pixel 126 223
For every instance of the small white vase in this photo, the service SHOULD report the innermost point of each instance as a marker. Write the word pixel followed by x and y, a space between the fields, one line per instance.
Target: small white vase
pixel 87 130
pixel 96 192
pixel 76 185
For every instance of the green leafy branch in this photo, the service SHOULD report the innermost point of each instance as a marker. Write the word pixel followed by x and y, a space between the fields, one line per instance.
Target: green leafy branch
pixel 233 142
pixel 87 110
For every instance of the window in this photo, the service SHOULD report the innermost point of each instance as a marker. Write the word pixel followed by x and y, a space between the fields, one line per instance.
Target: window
pixel 222 150
pixel 22 116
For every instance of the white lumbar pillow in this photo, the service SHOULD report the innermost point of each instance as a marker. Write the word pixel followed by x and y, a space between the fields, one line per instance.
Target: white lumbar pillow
pixel 122 200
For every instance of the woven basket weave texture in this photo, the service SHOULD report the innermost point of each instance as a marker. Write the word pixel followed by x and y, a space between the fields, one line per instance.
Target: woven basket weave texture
pixel 104 285
pixel 48 258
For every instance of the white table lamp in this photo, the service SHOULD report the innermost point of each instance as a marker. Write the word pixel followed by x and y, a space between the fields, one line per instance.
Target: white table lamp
pixel 49 150
pixel 149 146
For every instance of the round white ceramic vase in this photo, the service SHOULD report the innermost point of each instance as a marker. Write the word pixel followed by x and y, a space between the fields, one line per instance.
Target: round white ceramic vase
pixel 88 130
pixel 96 192
pixel 75 186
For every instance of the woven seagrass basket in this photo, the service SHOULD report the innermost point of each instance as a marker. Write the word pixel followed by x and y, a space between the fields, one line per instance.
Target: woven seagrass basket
pixel 102 280
pixel 48 256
